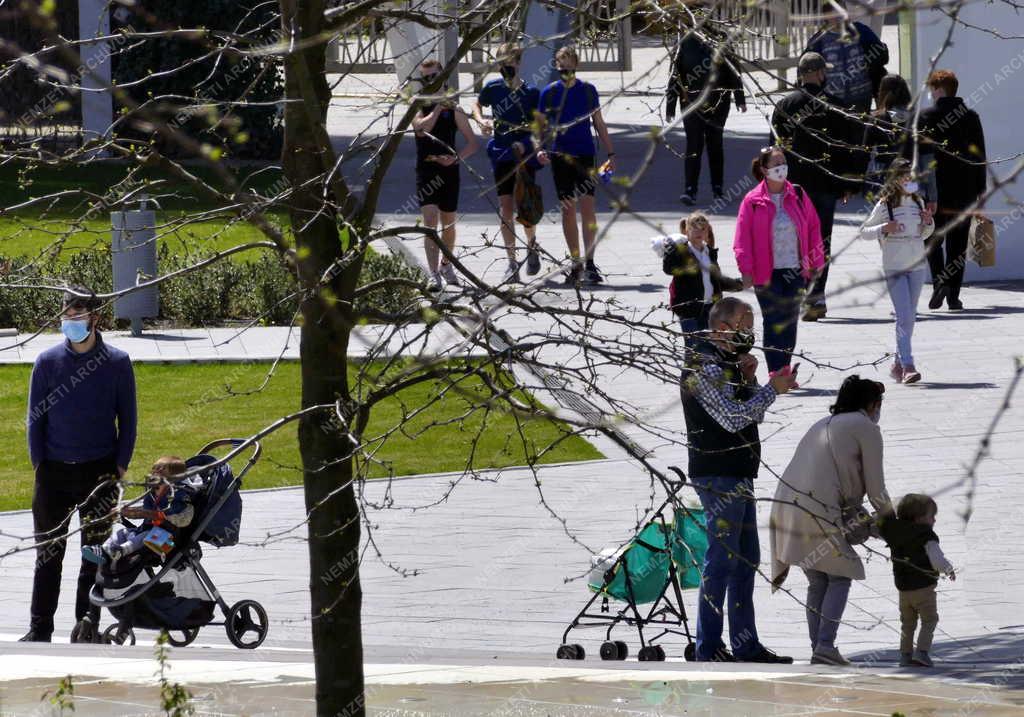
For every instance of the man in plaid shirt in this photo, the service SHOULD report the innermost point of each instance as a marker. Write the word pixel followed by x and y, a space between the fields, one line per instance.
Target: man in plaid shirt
pixel 722 404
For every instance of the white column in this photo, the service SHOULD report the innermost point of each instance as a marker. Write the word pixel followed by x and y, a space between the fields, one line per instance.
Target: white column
pixel 94 72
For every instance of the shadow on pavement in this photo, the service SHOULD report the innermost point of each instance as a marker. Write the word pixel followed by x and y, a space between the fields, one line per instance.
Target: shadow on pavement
pixel 943 386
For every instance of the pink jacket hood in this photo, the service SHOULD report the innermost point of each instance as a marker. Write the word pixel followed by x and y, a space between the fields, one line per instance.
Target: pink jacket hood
pixel 752 243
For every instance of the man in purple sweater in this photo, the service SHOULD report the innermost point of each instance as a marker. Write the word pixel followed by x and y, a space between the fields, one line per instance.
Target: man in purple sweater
pixel 81 434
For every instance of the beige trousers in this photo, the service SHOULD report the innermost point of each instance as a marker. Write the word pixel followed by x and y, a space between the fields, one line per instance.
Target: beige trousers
pixel 914 604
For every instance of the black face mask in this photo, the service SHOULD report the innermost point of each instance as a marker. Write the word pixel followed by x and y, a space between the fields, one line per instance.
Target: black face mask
pixel 567 75
pixel 428 79
pixel 743 341
pixel 508 72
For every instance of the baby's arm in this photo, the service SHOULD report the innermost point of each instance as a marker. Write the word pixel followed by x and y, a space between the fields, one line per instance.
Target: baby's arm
pixel 938 559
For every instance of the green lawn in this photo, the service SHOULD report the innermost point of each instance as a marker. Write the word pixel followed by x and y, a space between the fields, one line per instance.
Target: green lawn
pixel 28 231
pixel 25 236
pixel 181 407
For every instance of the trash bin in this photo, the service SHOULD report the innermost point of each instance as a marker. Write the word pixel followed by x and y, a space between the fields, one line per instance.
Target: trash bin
pixel 133 251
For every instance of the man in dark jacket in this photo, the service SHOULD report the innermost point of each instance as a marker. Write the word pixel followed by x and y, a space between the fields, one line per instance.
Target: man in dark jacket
pixel 694 68
pixel 81 435
pixel 722 405
pixel 816 135
pixel 954 133
pixel 857 59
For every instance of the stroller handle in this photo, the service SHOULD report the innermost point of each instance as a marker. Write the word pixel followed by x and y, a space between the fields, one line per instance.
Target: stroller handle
pixel 234 443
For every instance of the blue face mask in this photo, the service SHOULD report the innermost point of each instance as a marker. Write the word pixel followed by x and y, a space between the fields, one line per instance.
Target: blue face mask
pixel 76 330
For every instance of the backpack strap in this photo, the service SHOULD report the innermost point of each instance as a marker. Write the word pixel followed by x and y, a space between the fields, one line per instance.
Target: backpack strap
pixel 799 192
pixel 888 206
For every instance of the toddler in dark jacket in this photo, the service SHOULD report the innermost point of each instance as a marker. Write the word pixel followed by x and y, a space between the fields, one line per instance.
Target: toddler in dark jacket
pixel 917 561
pixel 691 259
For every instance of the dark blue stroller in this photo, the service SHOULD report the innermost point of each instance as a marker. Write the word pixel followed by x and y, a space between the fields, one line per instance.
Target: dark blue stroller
pixel 178 595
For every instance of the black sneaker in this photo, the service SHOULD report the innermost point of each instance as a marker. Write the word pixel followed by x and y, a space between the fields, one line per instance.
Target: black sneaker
pixel 814 312
pixel 954 304
pixel 938 296
pixel 572 276
pixel 688 199
pixel 33 636
pixel 591 274
pixel 765 655
pixel 532 261
pixel 721 655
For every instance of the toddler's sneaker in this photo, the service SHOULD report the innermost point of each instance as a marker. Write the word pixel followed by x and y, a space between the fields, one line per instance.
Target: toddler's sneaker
pixel 896 372
pixel 94 554
pixel 911 375
pixel 921 658
pixel 906 659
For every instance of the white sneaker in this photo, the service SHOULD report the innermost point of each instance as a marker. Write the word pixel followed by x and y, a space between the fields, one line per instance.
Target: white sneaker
pixel 448 272
pixel 435 283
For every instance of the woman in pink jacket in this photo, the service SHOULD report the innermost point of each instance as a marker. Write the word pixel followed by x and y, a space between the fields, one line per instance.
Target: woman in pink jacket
pixel 779 251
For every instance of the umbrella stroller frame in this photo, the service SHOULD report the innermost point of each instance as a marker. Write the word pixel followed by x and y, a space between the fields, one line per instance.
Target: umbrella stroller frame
pixel 666 612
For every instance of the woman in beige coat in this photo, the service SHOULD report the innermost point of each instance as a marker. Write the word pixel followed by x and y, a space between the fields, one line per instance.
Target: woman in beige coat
pixel 839 460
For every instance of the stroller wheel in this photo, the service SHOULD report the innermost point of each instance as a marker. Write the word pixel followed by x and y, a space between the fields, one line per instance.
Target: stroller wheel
pixel 187 636
pixel 617 650
pixel 651 653
pixel 571 652
pixel 246 624
pixel 114 636
pixel 690 653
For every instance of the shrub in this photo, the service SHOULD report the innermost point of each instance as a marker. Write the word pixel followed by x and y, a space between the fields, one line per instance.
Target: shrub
pixel 261 289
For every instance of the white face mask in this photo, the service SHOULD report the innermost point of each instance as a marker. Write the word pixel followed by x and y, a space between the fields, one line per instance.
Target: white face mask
pixel 777 173
pixel 910 187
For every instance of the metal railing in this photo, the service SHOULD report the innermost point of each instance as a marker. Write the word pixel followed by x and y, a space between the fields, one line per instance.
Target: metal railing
pixel 601 34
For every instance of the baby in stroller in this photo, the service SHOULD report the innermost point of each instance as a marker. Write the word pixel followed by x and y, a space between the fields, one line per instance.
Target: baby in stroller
pixel 166 509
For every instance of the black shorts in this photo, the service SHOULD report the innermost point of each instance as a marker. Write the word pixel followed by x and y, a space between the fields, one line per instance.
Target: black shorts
pixel 438 186
pixel 572 175
pixel 505 176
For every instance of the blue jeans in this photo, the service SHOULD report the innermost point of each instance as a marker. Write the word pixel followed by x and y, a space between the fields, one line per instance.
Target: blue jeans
pixel 780 309
pixel 690 328
pixel 905 290
pixel 730 565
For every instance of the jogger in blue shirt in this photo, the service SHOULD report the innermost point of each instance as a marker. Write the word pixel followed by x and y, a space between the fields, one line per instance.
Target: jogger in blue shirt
pixel 569 105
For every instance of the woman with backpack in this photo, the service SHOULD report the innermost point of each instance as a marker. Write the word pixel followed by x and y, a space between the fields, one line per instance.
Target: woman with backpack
pixel 889 135
pixel 779 251
pixel 901 223
pixel 691 259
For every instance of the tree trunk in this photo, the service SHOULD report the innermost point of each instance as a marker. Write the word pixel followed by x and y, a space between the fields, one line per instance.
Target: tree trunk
pixel 333 528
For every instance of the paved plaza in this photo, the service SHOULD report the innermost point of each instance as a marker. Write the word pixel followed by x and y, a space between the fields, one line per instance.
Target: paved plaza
pixel 498 575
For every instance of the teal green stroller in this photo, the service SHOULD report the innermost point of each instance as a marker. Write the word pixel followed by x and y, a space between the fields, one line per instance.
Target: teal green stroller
pixel 652 570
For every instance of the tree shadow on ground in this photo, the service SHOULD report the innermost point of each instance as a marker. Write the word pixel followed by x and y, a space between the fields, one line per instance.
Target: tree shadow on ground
pixel 996 659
